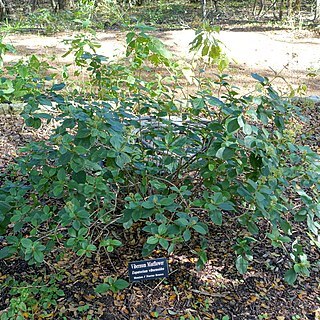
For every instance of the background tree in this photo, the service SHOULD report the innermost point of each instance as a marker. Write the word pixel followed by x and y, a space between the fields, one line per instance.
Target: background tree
pixel 4 9
pixel 317 10
pixel 64 4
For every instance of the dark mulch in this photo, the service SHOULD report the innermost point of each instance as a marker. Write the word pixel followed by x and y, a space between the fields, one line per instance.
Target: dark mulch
pixel 211 293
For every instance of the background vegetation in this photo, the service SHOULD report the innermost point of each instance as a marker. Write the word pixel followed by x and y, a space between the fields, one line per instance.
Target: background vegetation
pixel 30 14
pixel 134 159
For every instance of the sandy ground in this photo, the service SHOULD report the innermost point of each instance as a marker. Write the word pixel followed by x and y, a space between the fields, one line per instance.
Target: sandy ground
pixel 266 53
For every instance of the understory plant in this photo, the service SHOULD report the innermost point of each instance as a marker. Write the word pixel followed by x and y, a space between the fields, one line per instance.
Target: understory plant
pixel 35 300
pixel 130 153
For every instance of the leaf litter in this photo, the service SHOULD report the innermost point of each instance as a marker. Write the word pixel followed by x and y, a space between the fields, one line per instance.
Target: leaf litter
pixel 212 293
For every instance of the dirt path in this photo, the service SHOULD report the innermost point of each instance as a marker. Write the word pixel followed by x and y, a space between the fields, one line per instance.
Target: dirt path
pixel 266 53
pixel 218 289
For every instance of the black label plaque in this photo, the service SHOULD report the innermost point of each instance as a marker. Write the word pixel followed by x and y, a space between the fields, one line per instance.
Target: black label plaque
pixel 148 269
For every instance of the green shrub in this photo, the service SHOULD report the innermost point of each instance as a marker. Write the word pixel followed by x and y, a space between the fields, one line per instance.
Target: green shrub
pixel 131 157
pixel 31 301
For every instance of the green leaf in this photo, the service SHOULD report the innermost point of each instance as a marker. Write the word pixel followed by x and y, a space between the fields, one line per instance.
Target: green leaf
pixel 72 232
pixel 91 247
pixel 7 252
pixel 38 256
pixel 227 206
pixel 81 252
pixel 164 243
pixel 33 122
pixel 79 177
pixel 171 248
pixel 279 122
pixel 242 264
pixel 80 150
pixel 110 248
pixel 252 227
pixel 182 222
pixel 122 159
pixel 312 226
pixel 159 48
pixel 57 190
pixel 102 288
pixel 255 161
pixel 216 217
pixel 199 229
pixel 290 276
pixel 148 204
pixel 121 284
pixel 58 86
pixel 162 229
pixel 65 158
pixel 225 153
pixel 260 197
pixel 44 101
pixel 152 240
pixel 61 175
pixel 4 207
pixel 26 243
pixel 148 248
pixel 166 201
pixel 186 235
pixel 232 125
pixel 116 243
pixel 83 133
pixel 136 214
pixel 258 77
pixel 116 141
pixel 247 129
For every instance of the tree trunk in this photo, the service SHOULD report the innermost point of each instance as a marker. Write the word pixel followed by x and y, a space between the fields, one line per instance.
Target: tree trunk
pixel 3 10
pixel 34 4
pixel 261 7
pixel 65 4
pixel 289 8
pixel 281 10
pixel 317 10
pixel 204 9
pixel 54 5
pixel 297 6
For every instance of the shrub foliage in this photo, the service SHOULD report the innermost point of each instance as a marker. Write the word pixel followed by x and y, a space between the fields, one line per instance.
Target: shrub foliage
pixel 127 150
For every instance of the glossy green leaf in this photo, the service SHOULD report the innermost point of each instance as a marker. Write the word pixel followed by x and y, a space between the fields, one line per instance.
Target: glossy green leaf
pixel 152 240
pixel 242 264
pixel 58 86
pixel 290 276
pixel 121 284
pixel 232 125
pixel 216 217
pixel 7 252
pixel 4 207
pixel 26 243
pixel 186 235
pixel 199 229
pixel 102 288
pixel 38 256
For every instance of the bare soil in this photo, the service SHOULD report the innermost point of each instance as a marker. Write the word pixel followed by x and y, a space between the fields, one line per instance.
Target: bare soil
pixel 289 54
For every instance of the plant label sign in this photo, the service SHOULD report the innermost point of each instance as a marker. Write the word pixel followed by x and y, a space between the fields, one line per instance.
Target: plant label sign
pixel 148 269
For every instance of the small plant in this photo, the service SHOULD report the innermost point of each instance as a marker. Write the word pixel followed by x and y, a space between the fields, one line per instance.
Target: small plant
pixel 112 284
pixel 111 13
pixel 126 153
pixel 5 48
pixel 110 244
pixel 31 300
pixel 208 47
